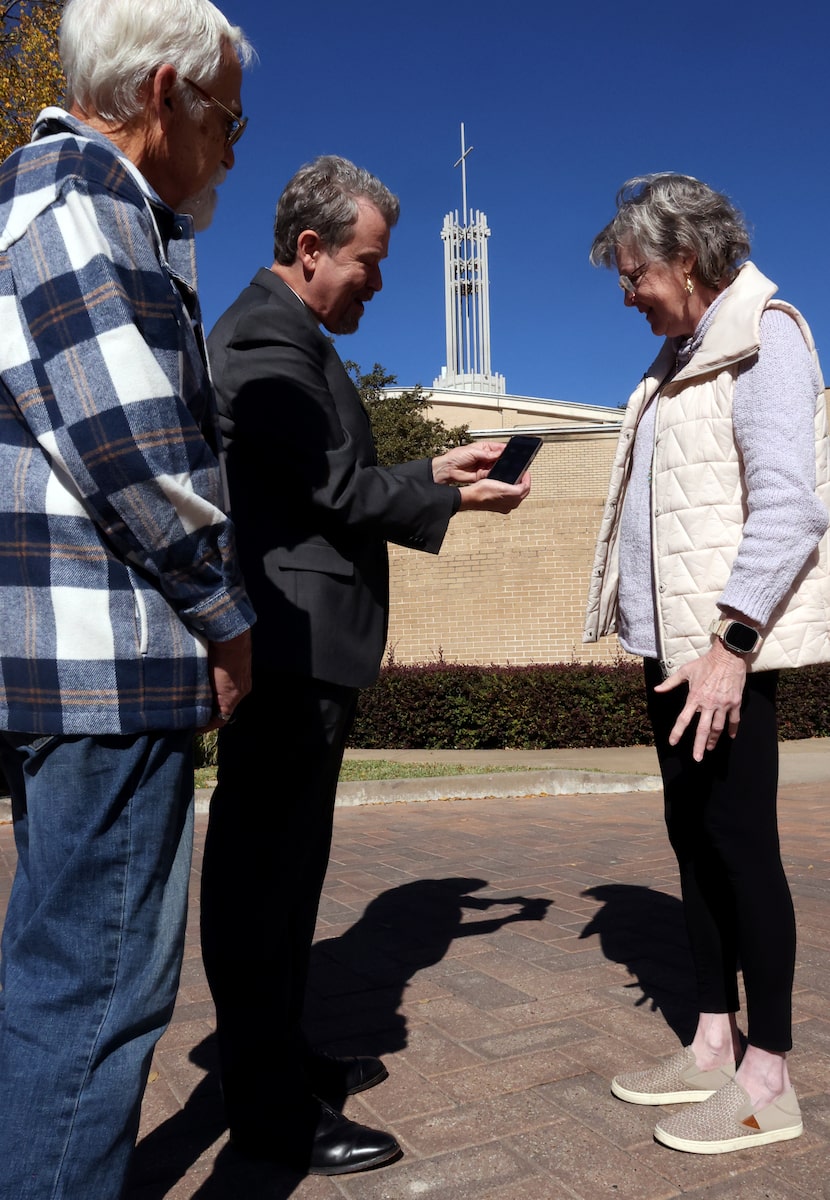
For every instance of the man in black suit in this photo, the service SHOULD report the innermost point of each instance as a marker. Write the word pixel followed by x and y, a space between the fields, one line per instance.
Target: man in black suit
pixel 313 513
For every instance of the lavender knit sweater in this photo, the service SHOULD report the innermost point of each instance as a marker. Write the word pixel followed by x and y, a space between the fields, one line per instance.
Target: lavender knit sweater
pixel 772 417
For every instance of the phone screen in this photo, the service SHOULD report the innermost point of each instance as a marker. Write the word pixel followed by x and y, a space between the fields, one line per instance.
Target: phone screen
pixel 515 459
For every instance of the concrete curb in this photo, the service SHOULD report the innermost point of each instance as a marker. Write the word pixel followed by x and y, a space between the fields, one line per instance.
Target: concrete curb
pixel 498 785
pixel 804 761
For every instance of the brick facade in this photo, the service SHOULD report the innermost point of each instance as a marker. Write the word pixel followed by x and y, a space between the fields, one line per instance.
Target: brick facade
pixel 511 589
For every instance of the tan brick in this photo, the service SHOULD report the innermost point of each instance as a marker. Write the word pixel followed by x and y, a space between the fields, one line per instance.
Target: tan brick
pixel 510 589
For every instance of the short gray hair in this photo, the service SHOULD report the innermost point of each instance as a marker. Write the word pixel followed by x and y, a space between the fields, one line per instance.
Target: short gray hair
pixel 110 48
pixel 323 196
pixel 664 215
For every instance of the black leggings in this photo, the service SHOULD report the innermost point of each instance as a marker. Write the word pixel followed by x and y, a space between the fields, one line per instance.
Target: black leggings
pixel 722 825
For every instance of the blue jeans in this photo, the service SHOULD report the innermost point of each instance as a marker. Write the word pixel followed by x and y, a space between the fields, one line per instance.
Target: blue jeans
pixel 91 951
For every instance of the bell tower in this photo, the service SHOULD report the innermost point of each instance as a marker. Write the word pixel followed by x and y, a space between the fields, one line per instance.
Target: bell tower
pixel 467 297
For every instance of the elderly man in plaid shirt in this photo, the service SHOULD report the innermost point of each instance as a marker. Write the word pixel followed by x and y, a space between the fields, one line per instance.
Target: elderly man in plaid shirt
pixel 123 620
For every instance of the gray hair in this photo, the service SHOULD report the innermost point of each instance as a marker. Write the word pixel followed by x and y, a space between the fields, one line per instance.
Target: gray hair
pixel 323 196
pixel 664 215
pixel 110 48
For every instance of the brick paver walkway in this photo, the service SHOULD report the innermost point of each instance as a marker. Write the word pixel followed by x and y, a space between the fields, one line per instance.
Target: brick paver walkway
pixel 506 958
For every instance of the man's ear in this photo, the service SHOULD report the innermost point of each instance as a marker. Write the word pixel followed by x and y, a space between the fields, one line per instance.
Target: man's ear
pixel 309 249
pixel 164 97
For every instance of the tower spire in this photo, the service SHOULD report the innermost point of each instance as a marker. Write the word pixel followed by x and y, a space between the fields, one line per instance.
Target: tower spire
pixel 467 297
pixel 463 161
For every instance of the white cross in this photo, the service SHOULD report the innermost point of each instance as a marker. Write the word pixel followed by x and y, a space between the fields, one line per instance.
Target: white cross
pixel 463 161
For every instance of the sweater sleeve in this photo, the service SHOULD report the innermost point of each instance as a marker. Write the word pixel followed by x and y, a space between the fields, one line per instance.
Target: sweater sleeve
pixel 773 419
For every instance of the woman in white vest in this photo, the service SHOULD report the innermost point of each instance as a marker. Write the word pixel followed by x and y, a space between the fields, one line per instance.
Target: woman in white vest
pixel 712 564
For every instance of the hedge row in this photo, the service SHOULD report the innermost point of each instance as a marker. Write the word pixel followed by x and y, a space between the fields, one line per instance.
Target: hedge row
pixel 440 706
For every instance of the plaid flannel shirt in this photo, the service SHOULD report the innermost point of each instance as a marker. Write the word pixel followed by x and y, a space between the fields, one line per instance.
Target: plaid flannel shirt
pixel 117 561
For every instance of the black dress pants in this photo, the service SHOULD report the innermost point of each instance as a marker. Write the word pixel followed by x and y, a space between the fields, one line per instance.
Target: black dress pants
pixel 266 853
pixel 721 816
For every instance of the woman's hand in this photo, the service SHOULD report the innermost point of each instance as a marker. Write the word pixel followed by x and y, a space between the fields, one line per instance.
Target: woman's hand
pixel 716 686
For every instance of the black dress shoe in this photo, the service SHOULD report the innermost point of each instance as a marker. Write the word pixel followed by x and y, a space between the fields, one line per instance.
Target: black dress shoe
pixel 334 1079
pixel 337 1146
pixel 342 1146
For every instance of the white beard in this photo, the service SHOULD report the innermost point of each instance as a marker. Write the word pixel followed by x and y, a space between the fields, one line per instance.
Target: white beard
pixel 202 206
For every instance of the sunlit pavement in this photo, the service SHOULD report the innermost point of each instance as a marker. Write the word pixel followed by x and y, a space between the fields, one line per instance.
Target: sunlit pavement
pixel 506 957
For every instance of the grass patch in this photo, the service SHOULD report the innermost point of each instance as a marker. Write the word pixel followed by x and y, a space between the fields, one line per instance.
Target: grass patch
pixel 355 770
pixel 381 768
pixel 205 777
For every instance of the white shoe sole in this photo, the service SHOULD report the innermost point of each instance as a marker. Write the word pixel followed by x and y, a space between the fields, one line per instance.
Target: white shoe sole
pixel 723 1147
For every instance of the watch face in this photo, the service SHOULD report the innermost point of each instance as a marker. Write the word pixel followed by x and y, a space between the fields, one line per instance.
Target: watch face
pixel 741 637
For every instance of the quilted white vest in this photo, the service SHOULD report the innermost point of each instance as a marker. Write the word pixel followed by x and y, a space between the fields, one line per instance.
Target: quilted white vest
pixel 699 498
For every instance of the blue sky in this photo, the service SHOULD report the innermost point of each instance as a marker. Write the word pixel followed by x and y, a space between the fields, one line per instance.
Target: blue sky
pixel 562 104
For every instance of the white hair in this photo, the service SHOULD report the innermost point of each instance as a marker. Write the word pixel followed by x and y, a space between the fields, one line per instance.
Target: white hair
pixel 110 48
pixel 663 215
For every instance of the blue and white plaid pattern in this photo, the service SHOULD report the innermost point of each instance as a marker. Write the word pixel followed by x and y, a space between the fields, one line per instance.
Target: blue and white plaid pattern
pixel 117 561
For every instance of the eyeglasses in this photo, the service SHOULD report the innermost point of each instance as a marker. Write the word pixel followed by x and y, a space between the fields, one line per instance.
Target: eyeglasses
pixel 236 125
pixel 628 283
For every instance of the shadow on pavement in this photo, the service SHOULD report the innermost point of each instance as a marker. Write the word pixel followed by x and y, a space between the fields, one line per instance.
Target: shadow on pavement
pixel 356 984
pixel 357 980
pixel 645 931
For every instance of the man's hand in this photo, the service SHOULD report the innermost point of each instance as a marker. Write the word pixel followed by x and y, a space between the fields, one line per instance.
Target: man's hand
pixel 489 495
pixel 229 666
pixel 470 465
pixel 716 686
pixel 466 464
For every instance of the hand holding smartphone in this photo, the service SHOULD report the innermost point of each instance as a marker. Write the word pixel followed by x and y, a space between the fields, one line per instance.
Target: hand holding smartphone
pixel 515 459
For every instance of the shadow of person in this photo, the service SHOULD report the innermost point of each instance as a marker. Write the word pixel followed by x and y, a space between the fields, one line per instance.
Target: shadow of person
pixel 357 980
pixel 645 930
pixel 165 1155
pixel 356 985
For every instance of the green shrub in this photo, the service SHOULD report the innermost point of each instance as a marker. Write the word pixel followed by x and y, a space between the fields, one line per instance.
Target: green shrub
pixel 445 706
pixel 804 703
pixel 204 749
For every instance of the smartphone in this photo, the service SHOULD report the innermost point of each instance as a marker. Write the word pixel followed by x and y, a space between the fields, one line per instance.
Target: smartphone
pixel 515 459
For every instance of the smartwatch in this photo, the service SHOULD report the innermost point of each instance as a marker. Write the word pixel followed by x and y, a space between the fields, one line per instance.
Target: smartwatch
pixel 735 635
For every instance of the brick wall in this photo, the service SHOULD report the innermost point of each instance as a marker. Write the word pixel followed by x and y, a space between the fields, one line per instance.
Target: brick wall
pixel 510 589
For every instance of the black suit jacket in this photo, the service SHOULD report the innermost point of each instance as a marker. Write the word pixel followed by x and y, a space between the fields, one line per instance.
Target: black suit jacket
pixel 312 509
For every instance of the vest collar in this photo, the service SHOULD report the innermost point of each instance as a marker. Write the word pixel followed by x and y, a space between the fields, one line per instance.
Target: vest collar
pixel 733 336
